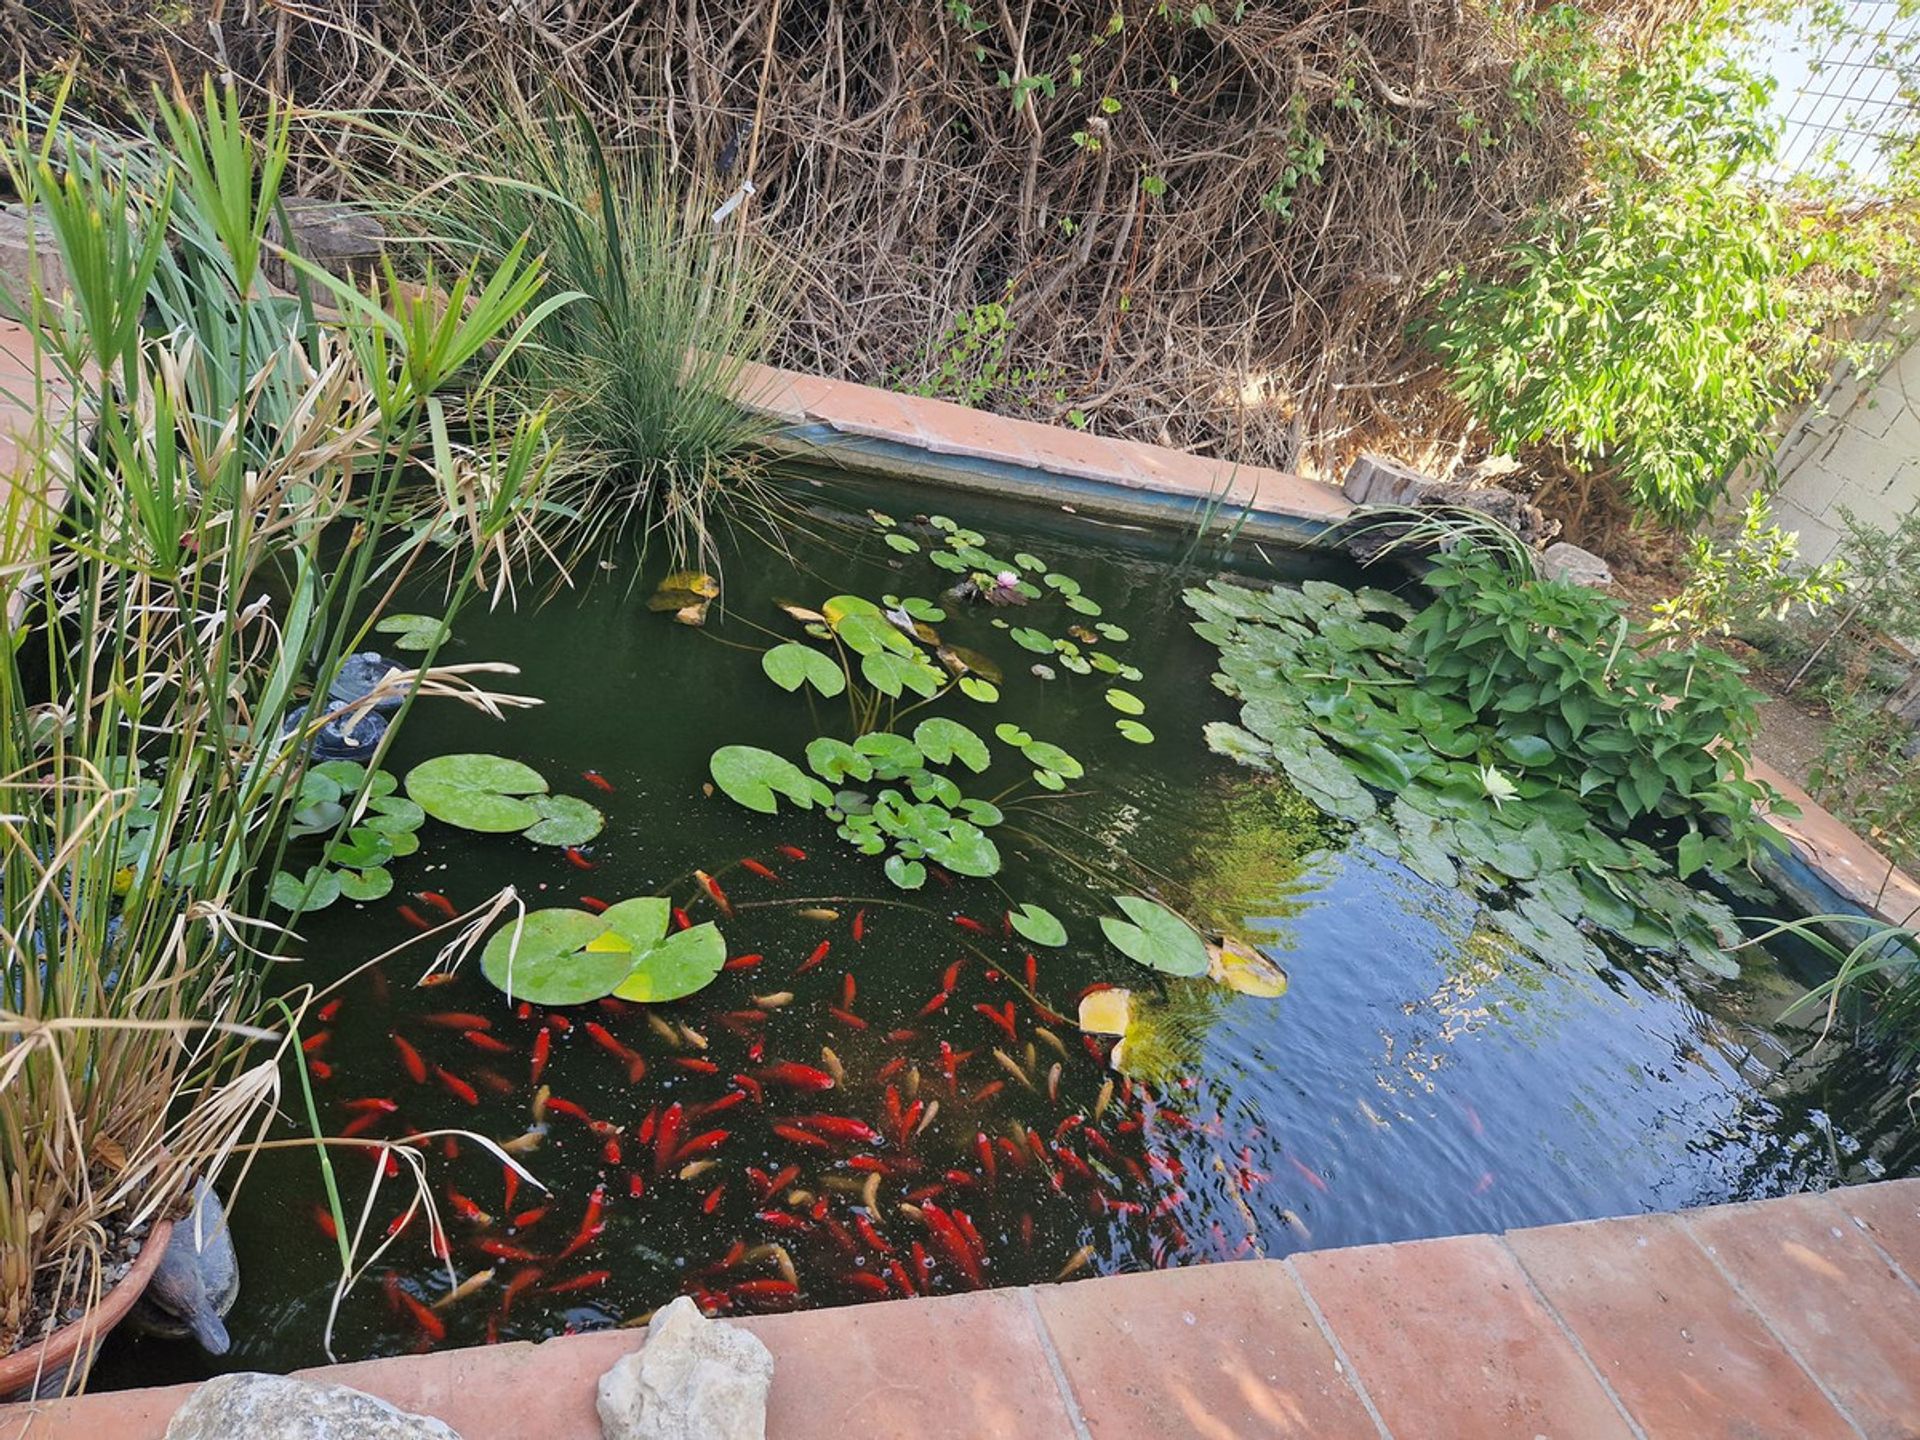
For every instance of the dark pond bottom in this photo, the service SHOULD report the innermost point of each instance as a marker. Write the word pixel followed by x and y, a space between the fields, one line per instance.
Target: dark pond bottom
pixel 1420 1077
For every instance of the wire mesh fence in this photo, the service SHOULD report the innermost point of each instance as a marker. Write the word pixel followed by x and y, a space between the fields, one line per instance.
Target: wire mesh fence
pixel 1845 100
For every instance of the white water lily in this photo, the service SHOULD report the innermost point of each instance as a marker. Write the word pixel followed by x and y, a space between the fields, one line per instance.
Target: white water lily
pixel 1498 787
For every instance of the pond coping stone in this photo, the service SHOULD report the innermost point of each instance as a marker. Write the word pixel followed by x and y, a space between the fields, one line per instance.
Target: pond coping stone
pixel 1783 1318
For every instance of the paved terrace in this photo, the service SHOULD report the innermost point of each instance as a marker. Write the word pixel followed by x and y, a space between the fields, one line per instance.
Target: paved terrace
pixel 1795 1318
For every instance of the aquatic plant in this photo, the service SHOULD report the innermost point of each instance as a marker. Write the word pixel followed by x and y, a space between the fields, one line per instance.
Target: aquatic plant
pixel 234 473
pixel 1520 735
pixel 568 957
pixel 498 796
pixel 643 376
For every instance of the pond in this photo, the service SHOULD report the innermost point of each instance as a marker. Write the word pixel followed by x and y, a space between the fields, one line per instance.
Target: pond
pixel 1421 1075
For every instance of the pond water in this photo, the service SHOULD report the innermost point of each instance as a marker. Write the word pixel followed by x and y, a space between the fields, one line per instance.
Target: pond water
pixel 1419 1077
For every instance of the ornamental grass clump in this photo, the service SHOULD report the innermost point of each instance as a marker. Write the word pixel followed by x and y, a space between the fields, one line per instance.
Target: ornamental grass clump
pixel 244 487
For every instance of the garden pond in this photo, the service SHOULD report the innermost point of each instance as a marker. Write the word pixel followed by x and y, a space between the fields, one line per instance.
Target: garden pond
pixel 1422 1070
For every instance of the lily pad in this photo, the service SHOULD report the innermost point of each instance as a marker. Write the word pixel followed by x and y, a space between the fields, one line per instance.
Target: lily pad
pixel 792 665
pixel 1106 1012
pixel 1045 755
pixel 1027 638
pixel 477 792
pixel 413 632
pixel 1155 937
pixel 754 777
pixel 907 874
pixel 315 890
pixel 1241 967
pixel 1038 925
pixel 1236 744
pixel 365 885
pixel 1125 701
pixel 942 740
pixel 974 688
pixel 905 544
pixel 563 820
pixel 1133 730
pixel 676 966
pixel 550 957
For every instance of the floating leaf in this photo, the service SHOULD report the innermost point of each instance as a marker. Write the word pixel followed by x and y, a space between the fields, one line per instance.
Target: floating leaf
pixel 1237 744
pixel 885 522
pixel 365 885
pixel 801 612
pixel 753 777
pixel 477 792
pixel 942 740
pixel 1048 756
pixel 1038 925
pixel 544 958
pixel 675 967
pixel 1082 604
pixel 905 544
pixel 891 674
pixel 1112 632
pixel 841 606
pixel 1126 702
pixel 791 665
pixel 833 759
pixel 1029 562
pixel 695 582
pixel 1028 638
pixel 563 821
pixel 974 688
pixel 1133 730
pixel 1240 967
pixel 1107 1011
pixel 1155 937
pixel 1010 734
pixel 315 890
pixel 413 632
pixel 907 874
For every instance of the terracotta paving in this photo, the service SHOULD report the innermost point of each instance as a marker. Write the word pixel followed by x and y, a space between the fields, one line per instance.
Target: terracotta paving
pixel 1787 1320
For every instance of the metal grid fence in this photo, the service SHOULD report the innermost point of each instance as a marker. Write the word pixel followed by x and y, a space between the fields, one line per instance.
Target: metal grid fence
pixel 1845 99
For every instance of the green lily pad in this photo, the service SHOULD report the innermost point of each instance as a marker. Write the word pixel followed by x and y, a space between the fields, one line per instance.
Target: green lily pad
pixel 905 544
pixel 907 874
pixel 974 688
pixel 836 760
pixel 315 890
pixel 556 957
pixel 413 632
pixel 393 815
pixel 1133 730
pixel 1010 734
pixel 754 777
pixel 1028 638
pixel 1155 937
pixel 675 967
pixel 942 740
pixel 1237 744
pixel 365 885
pixel 965 850
pixel 1126 702
pixel 477 792
pixel 1038 925
pixel 563 821
pixel 792 665
pixel 891 674
pixel 1048 756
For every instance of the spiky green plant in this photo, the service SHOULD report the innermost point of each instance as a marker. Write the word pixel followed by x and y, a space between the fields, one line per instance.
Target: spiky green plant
pixel 238 477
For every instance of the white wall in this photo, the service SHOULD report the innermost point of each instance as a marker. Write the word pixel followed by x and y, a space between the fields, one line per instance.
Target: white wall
pixel 1858 447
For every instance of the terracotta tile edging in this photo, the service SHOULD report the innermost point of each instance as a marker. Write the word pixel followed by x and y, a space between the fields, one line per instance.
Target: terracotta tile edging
pixel 1348 1370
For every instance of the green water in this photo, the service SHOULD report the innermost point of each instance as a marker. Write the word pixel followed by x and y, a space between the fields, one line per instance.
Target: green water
pixel 1417 1079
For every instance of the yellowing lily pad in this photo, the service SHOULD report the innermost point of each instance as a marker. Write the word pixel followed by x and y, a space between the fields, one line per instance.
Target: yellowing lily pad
pixel 1241 967
pixel 1106 1012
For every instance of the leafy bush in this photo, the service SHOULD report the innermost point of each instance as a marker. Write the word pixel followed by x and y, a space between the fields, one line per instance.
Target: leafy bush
pixel 1755 576
pixel 1658 327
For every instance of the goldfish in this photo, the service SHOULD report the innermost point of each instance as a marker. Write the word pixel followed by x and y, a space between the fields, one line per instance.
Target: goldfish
pixel 1308 1175
pixel 320 1069
pixel 938 1002
pixel 712 887
pixel 581 1282
pixel 774 1001
pixel 430 1324
pixel 522 1280
pixel 834 1068
pixel 859 925
pixel 323 1218
pixel 542 1048
pixel 594 904
pixel 458 1020
pixel 846 1017
pixel 819 954
pixel 765 872
pixel 598 781
pixel 742 962
pixel 474 1283
pixel 329 1010
pixel 414 918
pixel 591 1223
pixel 796 1076
pixel 409 1057
pixel 1075 1263
pixel 480 1040
pixel 438 901
pixel 577 858
pixel 792 852
pixel 456 1087
pixel 818 912
pixel 968 923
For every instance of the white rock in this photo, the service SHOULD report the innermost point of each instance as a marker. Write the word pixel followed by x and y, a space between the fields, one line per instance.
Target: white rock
pixel 694 1379
pixel 273 1407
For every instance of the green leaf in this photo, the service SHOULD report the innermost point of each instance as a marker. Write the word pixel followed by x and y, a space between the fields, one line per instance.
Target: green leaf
pixel 906 545
pixel 891 674
pixel 546 958
pixel 974 688
pixel 791 665
pixel 836 760
pixel 754 777
pixel 564 821
pixel 942 740
pixel 869 635
pixel 1038 925
pixel 965 850
pixel 413 632
pixel 477 792
pixel 1028 638
pixel 1531 751
pixel 394 815
pixel 1126 702
pixel 365 885
pixel 1010 734
pixel 892 755
pixel 641 922
pixel 1112 632
pixel 675 967
pixel 320 888
pixel 1155 937
pixel 1029 562
pixel 1082 604
pixel 907 874
pixel 1133 730
pixel 1691 855
pixel 1048 756
pixel 1237 744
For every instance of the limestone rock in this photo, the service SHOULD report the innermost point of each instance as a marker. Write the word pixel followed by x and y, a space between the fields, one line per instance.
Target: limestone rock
pixel 695 1379
pixel 273 1407
pixel 1561 561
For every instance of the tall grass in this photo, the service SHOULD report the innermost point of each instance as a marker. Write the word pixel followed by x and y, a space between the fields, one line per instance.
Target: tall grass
pixel 643 375
pixel 248 484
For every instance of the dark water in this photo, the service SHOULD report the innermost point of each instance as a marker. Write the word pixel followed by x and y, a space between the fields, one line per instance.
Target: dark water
pixel 1419 1077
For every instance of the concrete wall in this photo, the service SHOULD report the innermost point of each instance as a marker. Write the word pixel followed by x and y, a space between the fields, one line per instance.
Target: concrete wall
pixel 1858 446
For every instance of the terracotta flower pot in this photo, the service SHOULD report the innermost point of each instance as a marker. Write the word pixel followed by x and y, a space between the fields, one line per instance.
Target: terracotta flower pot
pixel 25 1367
